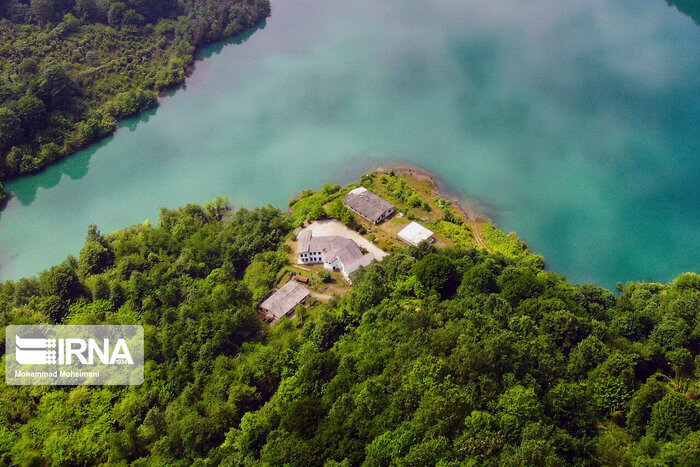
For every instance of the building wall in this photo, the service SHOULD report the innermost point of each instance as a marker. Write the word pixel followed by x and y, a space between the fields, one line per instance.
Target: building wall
pixel 310 257
pixel 383 216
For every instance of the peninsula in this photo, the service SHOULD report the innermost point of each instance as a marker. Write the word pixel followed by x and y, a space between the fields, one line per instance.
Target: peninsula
pixel 441 353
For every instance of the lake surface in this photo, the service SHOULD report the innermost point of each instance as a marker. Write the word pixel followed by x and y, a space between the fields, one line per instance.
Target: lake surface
pixel 576 123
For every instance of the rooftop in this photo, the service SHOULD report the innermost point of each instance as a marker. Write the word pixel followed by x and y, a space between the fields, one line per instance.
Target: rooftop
pixel 283 301
pixel 414 233
pixel 367 203
pixel 330 246
pixel 357 263
pixel 335 246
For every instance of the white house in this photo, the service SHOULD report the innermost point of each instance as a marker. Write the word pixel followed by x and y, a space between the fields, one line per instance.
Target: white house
pixel 414 233
pixel 335 252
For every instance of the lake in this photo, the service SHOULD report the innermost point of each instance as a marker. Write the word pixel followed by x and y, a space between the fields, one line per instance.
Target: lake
pixel 575 124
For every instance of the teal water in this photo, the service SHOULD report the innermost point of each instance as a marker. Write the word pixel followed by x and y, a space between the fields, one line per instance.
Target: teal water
pixel 577 124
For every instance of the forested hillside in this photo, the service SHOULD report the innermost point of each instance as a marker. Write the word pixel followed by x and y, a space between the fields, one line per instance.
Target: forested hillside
pixel 448 356
pixel 70 68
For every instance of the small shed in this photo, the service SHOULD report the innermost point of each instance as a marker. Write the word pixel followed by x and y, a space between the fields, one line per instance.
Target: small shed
pixel 283 301
pixel 302 279
pixel 414 233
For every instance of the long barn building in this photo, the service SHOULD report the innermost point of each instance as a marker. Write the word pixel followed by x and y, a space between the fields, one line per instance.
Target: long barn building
pixel 368 205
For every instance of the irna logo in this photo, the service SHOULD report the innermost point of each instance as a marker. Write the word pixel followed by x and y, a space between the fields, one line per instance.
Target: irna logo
pixel 74 355
pixel 39 351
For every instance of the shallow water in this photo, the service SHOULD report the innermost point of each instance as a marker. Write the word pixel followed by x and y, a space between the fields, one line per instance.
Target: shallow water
pixel 577 122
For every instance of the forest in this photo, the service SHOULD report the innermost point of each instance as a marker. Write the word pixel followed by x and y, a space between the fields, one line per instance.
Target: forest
pixel 70 68
pixel 437 356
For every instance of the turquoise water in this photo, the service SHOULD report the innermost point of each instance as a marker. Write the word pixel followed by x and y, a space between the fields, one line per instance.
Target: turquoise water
pixel 577 124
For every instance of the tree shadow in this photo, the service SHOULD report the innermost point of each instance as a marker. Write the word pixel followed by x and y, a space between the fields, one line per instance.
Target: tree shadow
pixel 215 48
pixel 131 123
pixel 690 8
pixel 74 166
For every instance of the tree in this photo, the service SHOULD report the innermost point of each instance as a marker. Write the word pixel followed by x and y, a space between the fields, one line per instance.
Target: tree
pixel 94 235
pixel 55 87
pixel 565 328
pixel 588 354
pixel 86 9
pixel 317 213
pixel 641 404
pixel 681 361
pixel 517 284
pixel 42 11
pixel 31 112
pixel 93 259
pixel 569 407
pixel 260 277
pixel 303 417
pixel 100 289
pixel 674 415
pixel 518 406
pixel 28 66
pixel 96 255
pixel 54 308
pixel 61 281
pixel 115 15
pixel 437 272
pixel 10 128
pixel 325 276
pixel 481 279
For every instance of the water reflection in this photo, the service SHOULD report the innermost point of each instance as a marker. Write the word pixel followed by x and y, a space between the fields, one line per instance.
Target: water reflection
pixel 577 119
pixel 216 47
pixel 75 167
pixel 687 7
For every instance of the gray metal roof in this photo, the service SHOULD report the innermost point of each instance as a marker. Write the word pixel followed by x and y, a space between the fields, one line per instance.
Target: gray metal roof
pixel 330 246
pixel 357 263
pixel 283 301
pixel 367 204
pixel 304 238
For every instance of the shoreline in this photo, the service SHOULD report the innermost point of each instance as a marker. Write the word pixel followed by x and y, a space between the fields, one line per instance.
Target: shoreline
pixel 198 55
pixel 440 188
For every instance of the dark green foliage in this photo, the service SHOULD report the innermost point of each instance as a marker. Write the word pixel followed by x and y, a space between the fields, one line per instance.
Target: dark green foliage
pixel 62 281
pixel 588 354
pixel 569 407
pixel 437 356
pixel 206 364
pixel 325 276
pixel 640 407
pixel 438 273
pixel 674 415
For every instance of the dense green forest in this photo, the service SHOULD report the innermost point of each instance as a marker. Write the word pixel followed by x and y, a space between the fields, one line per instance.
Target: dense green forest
pixel 70 68
pixel 450 356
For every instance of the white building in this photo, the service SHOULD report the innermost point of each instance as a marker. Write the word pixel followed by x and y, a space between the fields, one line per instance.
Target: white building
pixel 335 252
pixel 414 233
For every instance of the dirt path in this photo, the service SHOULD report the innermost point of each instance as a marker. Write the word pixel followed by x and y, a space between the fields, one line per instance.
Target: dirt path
pixel 476 232
pixel 324 297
